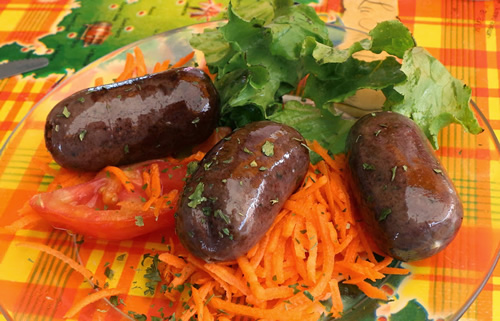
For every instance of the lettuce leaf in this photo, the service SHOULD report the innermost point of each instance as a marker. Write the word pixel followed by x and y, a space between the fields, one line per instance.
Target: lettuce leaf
pixel 268 46
pixel 433 98
pixel 328 129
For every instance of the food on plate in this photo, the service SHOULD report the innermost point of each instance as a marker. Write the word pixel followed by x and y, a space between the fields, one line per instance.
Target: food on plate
pixel 119 203
pixel 407 200
pixel 143 118
pixel 261 54
pixel 239 187
pixel 300 270
pixel 294 263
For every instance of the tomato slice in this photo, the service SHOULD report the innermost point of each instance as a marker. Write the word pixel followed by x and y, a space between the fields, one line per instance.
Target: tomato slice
pixel 104 208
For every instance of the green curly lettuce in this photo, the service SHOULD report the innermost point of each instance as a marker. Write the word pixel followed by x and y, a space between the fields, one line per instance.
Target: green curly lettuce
pixel 267 47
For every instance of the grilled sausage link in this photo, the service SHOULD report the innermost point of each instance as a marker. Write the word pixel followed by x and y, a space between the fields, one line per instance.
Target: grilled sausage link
pixel 143 118
pixel 407 200
pixel 238 189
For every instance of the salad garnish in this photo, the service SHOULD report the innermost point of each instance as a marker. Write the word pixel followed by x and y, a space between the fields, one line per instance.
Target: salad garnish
pixel 261 54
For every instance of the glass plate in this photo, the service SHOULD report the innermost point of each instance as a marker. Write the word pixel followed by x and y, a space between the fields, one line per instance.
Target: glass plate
pixel 41 287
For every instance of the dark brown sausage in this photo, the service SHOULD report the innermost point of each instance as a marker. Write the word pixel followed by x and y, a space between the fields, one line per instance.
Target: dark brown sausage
pixel 236 192
pixel 407 200
pixel 143 118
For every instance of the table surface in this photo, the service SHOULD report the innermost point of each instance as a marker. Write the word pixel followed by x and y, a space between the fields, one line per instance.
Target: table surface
pixel 462 34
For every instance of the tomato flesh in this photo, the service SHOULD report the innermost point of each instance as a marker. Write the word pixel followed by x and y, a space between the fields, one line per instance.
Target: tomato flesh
pixel 104 208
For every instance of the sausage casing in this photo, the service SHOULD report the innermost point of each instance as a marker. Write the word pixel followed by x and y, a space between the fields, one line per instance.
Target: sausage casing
pixel 238 189
pixel 408 202
pixel 143 118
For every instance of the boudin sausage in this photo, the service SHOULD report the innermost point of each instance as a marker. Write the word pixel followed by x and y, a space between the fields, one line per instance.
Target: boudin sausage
pixel 406 199
pixel 143 118
pixel 238 189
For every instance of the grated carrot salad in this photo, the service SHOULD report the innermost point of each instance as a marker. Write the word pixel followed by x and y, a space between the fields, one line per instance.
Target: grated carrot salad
pixel 314 245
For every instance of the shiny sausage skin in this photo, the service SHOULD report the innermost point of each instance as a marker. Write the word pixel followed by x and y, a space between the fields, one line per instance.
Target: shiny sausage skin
pixel 407 200
pixel 236 192
pixel 131 121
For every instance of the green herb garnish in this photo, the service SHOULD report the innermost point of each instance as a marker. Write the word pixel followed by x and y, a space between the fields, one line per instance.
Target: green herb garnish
pixel 197 198
pixel 139 221
pixel 268 149
pixel 384 214
pixel 66 113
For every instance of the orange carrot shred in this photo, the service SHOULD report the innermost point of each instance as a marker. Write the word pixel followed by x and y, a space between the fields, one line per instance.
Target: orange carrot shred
pixel 72 263
pixel 23 222
pixel 98 81
pixel 268 314
pixel 165 65
pixel 172 260
pixel 371 291
pixel 181 62
pixel 140 66
pixel 94 297
pixel 128 70
pixel 157 67
pixel 121 176
pixel 155 186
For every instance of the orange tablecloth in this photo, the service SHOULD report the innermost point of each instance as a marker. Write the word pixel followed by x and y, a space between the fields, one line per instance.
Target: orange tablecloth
pixel 462 34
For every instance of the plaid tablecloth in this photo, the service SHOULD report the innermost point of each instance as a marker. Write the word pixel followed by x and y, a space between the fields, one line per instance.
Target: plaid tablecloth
pixel 462 34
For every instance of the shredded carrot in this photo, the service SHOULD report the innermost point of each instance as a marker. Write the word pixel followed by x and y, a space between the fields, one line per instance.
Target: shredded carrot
pixel 122 177
pixel 165 65
pixel 312 247
pixel 155 186
pixel 24 221
pixel 371 291
pixel 157 67
pixel 140 64
pixel 94 297
pixel 72 263
pixel 267 314
pixel 181 62
pixel 98 81
pixel 396 271
pixel 128 70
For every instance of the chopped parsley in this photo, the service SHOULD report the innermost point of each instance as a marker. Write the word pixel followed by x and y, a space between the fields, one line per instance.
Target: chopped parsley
pixel 109 273
pixel 191 167
pixel 82 134
pixel 393 170
pixel 139 221
pixel 126 149
pixel 384 214
pixel 66 113
pixel 229 160
pixel 197 198
pixel 268 149
pixel 253 164
pixel 368 167
pixel 121 257
pixel 152 274
pixel 81 99
pixel 219 213
pixel 438 171
pixel 246 150
pixel 309 295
